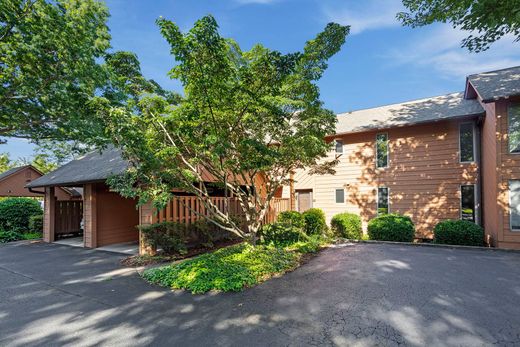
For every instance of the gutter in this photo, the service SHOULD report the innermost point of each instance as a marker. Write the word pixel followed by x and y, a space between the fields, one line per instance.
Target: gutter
pixel 36 191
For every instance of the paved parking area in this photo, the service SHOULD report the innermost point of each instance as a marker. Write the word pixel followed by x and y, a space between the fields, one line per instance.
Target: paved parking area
pixel 361 295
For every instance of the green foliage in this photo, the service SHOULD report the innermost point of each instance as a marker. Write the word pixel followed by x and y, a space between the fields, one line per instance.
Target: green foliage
pixel 311 244
pixel 236 104
pixel 314 221
pixel 16 212
pixel 487 20
pixel 292 218
pixel 281 235
pixel 347 225
pixel 458 232
pixel 169 236
pixel 391 227
pixel 36 223
pixel 228 269
pixel 9 236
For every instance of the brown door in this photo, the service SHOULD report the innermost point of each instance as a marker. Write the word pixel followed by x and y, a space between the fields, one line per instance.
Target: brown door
pixel 304 200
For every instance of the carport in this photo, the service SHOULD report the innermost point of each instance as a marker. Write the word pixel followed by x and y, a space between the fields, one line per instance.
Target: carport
pixel 104 217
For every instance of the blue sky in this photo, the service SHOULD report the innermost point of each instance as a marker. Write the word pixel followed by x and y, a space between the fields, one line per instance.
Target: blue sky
pixel 380 63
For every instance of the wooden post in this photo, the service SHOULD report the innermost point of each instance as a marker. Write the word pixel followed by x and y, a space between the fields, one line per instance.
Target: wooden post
pixel 49 215
pixel 90 215
pixel 146 218
pixel 292 194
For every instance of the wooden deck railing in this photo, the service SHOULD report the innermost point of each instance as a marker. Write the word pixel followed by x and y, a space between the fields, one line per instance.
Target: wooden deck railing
pixel 188 209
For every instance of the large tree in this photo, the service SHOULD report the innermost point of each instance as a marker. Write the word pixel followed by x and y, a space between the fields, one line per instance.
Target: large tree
pixel 486 20
pixel 247 119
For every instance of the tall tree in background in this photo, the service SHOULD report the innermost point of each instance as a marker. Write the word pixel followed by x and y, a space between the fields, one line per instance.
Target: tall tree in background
pixel 246 120
pixel 486 20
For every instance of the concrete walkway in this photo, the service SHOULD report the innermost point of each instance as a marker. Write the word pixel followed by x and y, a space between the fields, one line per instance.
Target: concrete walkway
pixel 359 295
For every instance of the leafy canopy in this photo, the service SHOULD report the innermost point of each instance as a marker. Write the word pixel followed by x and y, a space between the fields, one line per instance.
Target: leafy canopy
pixel 247 119
pixel 487 20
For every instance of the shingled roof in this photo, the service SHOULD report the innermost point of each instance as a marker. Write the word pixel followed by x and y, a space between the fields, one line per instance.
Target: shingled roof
pixel 11 171
pixel 411 112
pixel 494 85
pixel 93 167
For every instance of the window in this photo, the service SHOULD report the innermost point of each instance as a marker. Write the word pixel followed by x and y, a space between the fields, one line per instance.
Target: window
pixel 382 201
pixel 381 150
pixel 467 203
pixel 339 146
pixel 513 128
pixel 466 143
pixel 340 196
pixel 514 204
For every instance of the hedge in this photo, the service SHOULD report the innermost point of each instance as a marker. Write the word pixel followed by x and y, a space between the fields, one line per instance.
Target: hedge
pixel 292 218
pixel 458 232
pixel 391 227
pixel 347 225
pixel 314 222
pixel 16 212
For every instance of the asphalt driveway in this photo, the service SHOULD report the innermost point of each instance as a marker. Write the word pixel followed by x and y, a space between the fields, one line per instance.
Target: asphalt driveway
pixel 352 295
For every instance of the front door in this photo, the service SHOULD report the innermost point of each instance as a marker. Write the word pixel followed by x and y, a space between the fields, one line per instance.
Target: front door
pixel 304 200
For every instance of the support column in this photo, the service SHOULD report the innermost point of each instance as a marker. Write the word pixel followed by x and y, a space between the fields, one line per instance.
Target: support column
pixel 146 217
pixel 292 194
pixel 49 212
pixel 90 215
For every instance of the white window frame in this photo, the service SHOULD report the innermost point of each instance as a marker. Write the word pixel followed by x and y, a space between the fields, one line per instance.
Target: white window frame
pixel 387 151
pixel 387 199
pixel 508 137
pixel 474 143
pixel 509 206
pixel 335 147
pixel 335 195
pixel 474 202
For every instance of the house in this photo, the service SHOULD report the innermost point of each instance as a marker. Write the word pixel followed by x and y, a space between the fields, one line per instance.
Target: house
pixel 14 180
pixel 454 156
pixel 109 218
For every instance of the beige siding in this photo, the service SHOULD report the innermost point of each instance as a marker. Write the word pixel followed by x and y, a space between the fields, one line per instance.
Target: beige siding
pixel 424 175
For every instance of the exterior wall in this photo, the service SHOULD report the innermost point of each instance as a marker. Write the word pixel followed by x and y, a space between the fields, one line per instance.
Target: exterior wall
pixel 424 175
pixel 508 169
pixel 14 185
pixel 108 217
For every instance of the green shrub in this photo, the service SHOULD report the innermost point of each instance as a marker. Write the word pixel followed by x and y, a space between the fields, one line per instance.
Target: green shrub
pixel 9 236
pixel 314 222
pixel 15 213
pixel 171 237
pixel 293 218
pixel 31 236
pixel 228 269
pixel 458 232
pixel 280 235
pixel 311 245
pixel 347 225
pixel 36 223
pixel 391 227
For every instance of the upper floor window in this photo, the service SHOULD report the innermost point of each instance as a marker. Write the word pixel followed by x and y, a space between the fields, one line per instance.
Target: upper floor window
pixel 383 206
pixel 340 196
pixel 467 142
pixel 513 128
pixel 514 204
pixel 381 150
pixel 338 144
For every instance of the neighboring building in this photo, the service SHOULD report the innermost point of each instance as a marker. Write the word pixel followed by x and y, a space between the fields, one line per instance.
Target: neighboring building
pixel 446 157
pixel 13 182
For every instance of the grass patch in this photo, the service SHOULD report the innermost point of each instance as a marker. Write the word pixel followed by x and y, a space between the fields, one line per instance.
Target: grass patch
pixel 228 269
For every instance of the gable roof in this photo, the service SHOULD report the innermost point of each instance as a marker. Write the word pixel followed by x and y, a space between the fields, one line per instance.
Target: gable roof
pixel 92 167
pixel 407 113
pixel 12 171
pixel 494 85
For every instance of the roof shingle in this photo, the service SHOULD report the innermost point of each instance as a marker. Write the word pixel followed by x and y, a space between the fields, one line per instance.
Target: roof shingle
pixel 494 85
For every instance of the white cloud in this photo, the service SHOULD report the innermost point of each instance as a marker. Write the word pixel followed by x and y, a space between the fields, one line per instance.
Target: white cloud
pixel 365 15
pixel 438 48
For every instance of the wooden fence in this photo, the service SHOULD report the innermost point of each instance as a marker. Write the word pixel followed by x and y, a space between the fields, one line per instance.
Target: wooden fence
pixel 68 217
pixel 188 209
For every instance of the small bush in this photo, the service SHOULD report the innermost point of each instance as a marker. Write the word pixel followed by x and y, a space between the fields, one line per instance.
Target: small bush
pixel 281 235
pixel 15 213
pixel 391 227
pixel 36 223
pixel 9 236
pixel 314 222
pixel 311 245
pixel 458 232
pixel 171 237
pixel 292 218
pixel 347 225
pixel 228 269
